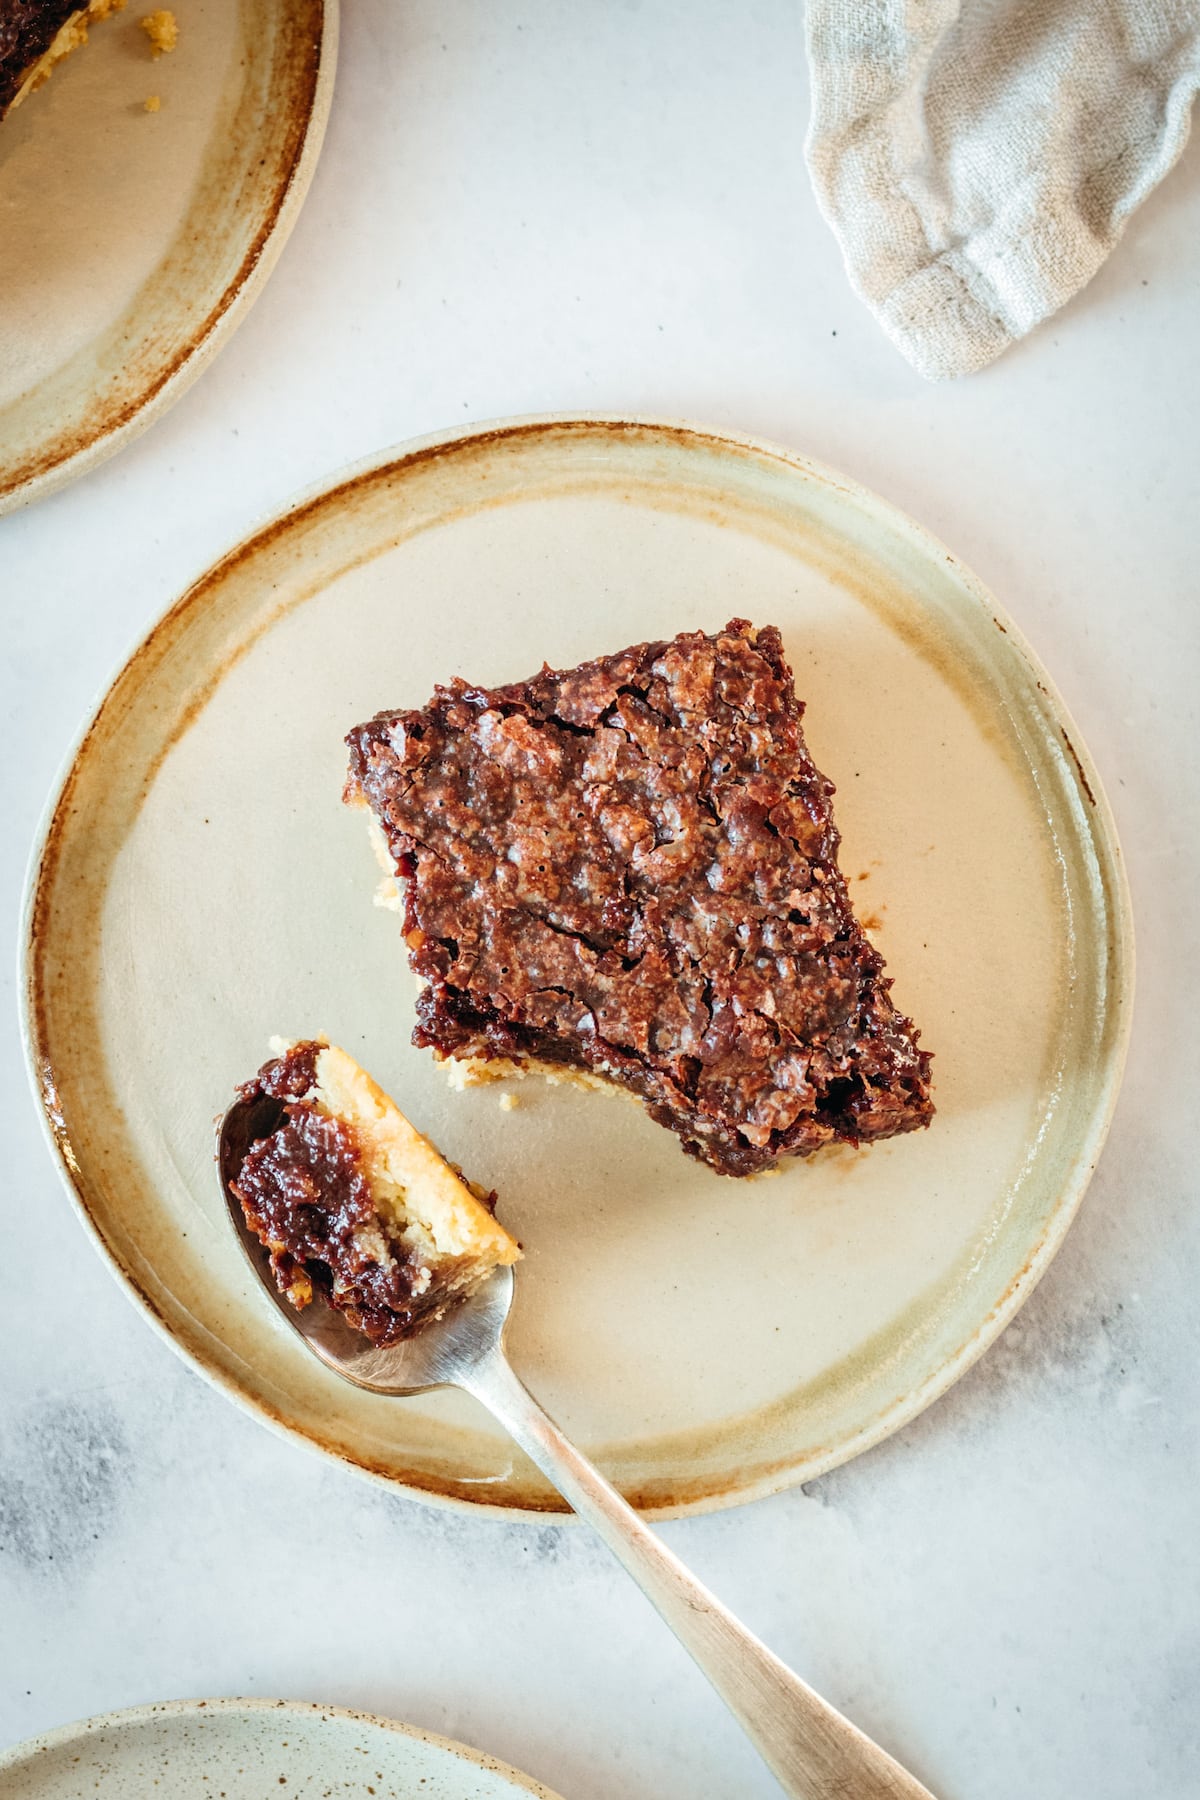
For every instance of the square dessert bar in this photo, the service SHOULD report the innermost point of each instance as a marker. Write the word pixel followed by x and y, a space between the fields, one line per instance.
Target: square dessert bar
pixel 629 869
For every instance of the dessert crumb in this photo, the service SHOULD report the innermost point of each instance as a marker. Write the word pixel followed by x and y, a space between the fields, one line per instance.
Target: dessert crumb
pixel 162 28
pixel 509 1102
pixel 152 103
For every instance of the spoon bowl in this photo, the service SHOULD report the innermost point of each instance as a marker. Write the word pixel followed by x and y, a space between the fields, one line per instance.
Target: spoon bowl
pixel 440 1355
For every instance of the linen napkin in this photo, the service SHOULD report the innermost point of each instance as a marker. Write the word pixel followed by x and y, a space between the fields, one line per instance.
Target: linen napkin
pixel 978 159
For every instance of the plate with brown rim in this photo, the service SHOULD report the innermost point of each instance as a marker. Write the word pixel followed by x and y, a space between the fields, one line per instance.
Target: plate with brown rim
pixel 138 239
pixel 200 886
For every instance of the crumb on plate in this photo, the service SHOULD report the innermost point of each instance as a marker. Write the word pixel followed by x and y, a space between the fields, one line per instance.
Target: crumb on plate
pixel 627 871
pixel 162 28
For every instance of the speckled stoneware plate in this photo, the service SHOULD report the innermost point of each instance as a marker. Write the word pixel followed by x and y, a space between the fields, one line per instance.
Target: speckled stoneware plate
pixel 245 1749
pixel 201 886
pixel 135 241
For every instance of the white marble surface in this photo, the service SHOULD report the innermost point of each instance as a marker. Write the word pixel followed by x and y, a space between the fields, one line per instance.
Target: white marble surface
pixel 543 206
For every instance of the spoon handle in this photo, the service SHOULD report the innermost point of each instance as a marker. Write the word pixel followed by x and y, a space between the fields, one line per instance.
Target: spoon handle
pixel 813 1751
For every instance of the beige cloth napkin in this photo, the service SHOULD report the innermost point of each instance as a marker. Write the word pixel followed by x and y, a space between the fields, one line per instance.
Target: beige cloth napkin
pixel 978 159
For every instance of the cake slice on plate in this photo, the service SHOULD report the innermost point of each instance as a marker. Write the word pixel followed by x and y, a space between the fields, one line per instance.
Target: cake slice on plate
pixel 627 871
pixel 37 34
pixel 354 1206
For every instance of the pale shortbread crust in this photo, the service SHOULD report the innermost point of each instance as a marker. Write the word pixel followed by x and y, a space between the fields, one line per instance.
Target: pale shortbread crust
pixel 423 1202
pixel 71 35
pixel 476 1071
pixel 387 893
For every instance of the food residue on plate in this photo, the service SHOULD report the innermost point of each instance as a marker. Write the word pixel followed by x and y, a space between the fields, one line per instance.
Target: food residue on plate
pixel 162 28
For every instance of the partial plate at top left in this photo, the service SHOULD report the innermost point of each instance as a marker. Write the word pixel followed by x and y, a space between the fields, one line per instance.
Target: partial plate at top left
pixel 136 240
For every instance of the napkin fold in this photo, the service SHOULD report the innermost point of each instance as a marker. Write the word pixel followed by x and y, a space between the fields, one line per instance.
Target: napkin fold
pixel 978 159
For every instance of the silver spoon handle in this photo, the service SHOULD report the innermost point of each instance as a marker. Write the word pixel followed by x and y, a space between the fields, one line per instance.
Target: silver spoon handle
pixel 814 1752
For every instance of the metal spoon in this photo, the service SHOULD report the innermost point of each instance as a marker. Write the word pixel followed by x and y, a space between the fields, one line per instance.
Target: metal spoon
pixel 814 1752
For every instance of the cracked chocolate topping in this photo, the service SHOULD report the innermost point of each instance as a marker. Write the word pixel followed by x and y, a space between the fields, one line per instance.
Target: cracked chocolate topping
pixel 308 1202
pixel 27 30
pixel 631 867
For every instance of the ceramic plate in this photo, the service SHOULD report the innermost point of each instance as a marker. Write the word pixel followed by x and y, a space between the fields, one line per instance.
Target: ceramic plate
pixel 201 886
pixel 244 1749
pixel 136 241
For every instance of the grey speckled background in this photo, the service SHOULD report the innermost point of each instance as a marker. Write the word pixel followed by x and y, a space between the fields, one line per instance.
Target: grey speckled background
pixel 536 207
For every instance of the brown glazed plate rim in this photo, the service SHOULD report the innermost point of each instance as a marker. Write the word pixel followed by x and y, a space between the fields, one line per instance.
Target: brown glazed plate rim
pixel 24 1758
pixel 106 423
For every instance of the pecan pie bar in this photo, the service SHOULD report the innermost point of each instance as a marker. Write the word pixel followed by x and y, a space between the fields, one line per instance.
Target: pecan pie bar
pixel 628 870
